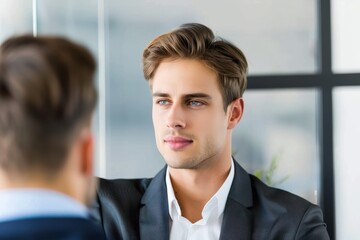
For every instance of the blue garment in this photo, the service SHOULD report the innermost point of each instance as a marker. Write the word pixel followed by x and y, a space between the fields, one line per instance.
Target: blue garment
pixel 19 203
pixel 43 214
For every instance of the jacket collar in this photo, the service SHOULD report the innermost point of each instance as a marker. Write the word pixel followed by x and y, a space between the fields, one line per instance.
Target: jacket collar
pixel 237 219
pixel 154 215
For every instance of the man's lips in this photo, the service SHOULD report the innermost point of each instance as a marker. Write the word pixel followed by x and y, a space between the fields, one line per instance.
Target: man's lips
pixel 177 142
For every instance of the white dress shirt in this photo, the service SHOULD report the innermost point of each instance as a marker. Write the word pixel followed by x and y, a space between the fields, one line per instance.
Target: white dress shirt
pixel 36 202
pixel 207 228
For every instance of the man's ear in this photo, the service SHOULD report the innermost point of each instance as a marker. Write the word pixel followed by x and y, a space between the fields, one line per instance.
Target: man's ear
pixel 236 110
pixel 87 153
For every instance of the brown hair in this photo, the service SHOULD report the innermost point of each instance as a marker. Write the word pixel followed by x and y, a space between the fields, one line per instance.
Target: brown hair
pixel 196 41
pixel 47 94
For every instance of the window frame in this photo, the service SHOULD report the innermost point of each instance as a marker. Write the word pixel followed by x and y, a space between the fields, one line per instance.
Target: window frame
pixel 324 81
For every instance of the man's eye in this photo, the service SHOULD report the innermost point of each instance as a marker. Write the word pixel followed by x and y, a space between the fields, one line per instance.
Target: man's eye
pixel 196 103
pixel 162 102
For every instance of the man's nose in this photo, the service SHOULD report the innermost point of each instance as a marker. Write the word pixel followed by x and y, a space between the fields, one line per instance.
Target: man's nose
pixel 176 117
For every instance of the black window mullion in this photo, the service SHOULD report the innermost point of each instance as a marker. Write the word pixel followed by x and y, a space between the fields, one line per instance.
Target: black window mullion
pixel 304 81
pixel 327 199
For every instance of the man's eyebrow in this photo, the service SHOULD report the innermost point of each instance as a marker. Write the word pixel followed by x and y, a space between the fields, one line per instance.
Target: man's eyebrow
pixel 186 96
pixel 160 94
pixel 197 95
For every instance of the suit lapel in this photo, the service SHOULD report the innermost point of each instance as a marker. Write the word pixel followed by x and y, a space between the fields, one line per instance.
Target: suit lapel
pixel 237 221
pixel 154 214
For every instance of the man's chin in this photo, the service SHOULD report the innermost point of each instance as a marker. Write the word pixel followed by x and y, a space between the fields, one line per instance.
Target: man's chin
pixel 181 164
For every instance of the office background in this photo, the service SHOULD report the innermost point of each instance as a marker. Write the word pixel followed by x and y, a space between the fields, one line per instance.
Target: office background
pixel 302 108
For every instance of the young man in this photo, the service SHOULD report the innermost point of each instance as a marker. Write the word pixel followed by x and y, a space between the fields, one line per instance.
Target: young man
pixel 197 82
pixel 47 98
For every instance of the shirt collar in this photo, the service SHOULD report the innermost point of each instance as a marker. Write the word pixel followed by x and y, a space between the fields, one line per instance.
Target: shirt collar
pixel 174 208
pixel 219 198
pixel 20 203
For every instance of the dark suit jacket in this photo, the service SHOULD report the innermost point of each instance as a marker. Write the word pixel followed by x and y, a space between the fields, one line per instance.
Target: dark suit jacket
pixel 48 228
pixel 138 209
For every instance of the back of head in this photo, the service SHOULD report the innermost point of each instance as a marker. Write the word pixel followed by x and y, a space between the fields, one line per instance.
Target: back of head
pixel 47 94
pixel 196 41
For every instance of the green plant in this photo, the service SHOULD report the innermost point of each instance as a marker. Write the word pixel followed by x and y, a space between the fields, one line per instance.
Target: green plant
pixel 267 175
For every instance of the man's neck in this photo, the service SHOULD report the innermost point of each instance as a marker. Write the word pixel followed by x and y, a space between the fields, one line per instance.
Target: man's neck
pixel 193 188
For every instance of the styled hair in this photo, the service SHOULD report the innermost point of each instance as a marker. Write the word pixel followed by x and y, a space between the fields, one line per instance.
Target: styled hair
pixel 196 41
pixel 47 94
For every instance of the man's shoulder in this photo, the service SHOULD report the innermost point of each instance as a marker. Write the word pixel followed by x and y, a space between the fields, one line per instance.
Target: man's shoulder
pixel 50 228
pixel 276 196
pixel 123 188
pixel 118 206
pixel 278 214
pixel 122 194
pixel 250 191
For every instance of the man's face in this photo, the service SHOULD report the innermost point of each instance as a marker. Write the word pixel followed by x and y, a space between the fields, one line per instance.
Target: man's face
pixel 190 123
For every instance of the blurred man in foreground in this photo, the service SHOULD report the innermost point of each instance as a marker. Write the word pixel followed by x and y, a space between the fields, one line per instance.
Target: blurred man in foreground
pixel 47 98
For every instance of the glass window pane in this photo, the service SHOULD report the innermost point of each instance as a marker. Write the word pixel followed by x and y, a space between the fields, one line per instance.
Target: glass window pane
pixel 345 36
pixel 279 129
pixel 278 36
pixel 74 19
pixel 15 18
pixel 347 164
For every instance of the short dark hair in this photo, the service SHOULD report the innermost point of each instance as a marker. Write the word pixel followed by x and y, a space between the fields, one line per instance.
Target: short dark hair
pixel 47 94
pixel 196 41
